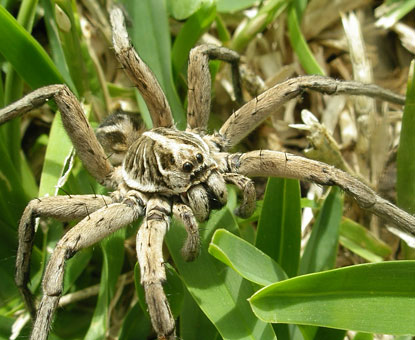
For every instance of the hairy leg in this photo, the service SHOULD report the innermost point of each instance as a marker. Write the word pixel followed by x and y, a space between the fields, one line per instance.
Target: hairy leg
pixel 247 187
pixel 199 82
pixel 150 239
pixel 139 73
pixel 63 208
pixel 76 125
pixel 279 164
pixel 191 247
pixel 89 231
pixel 253 113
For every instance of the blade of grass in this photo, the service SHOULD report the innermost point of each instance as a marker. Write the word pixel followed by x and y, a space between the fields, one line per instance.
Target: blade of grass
pixel 229 6
pixel 397 12
pixel 136 325
pixel 405 186
pixel 151 37
pixel 362 242
pixel 113 258
pixel 299 44
pixel 279 225
pixel 17 44
pixel 321 250
pixel 265 15
pixel 189 34
pixel 185 8
pixel 193 322
pixel 56 45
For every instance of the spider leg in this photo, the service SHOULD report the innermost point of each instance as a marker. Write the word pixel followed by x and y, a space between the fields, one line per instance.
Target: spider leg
pixel 199 82
pixel 253 113
pixel 139 73
pixel 150 257
pixel 246 185
pixel 76 125
pixel 89 231
pixel 191 247
pixel 58 207
pixel 280 164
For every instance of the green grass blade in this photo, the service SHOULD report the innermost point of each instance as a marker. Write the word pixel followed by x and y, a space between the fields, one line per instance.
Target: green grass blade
pixel 299 45
pixel 348 298
pixel 74 268
pixel 245 259
pixel 17 44
pixel 189 34
pixel 57 51
pixel 136 325
pixel 405 186
pixel 193 322
pixel 402 8
pixel 229 6
pixel 113 258
pixel 185 8
pixel 150 16
pixel 279 225
pixel 265 15
pixel 14 84
pixel 5 327
pixel 220 292
pixel 362 242
pixel 321 250
pixel 58 150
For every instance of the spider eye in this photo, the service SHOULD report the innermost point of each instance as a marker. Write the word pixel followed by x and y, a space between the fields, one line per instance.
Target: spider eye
pixel 199 158
pixel 187 167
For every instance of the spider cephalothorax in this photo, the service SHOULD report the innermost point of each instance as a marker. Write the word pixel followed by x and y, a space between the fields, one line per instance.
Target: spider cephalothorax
pixel 167 161
pixel 165 172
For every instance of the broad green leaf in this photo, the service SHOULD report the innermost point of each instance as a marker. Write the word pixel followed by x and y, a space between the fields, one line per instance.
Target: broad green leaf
pixel 226 6
pixel 248 261
pixel 405 186
pixel 151 37
pixel 113 258
pixel 279 225
pixel 362 242
pixel 321 250
pixel 348 298
pixel 299 45
pixel 220 292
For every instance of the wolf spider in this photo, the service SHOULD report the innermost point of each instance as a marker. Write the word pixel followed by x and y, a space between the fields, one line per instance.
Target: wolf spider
pixel 165 172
